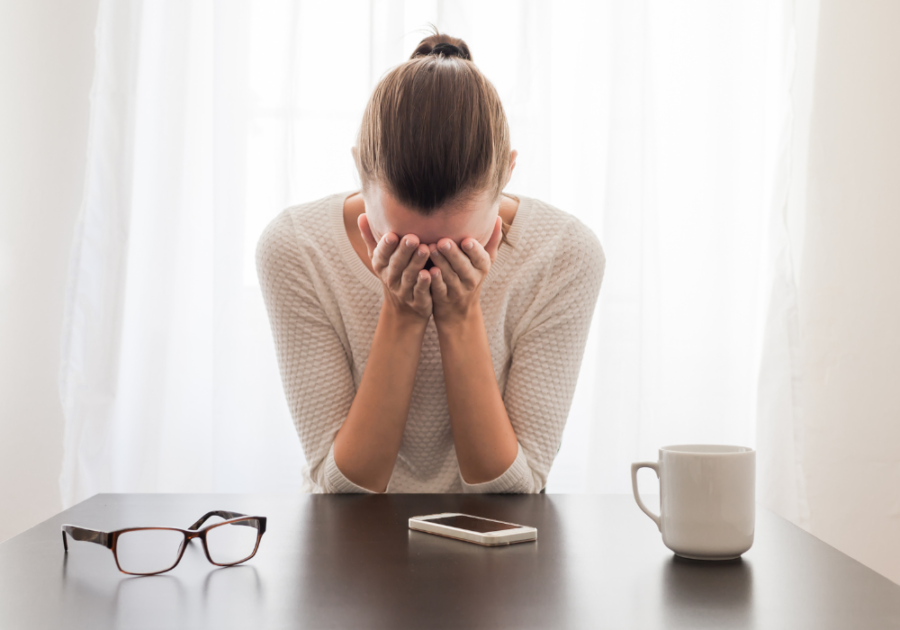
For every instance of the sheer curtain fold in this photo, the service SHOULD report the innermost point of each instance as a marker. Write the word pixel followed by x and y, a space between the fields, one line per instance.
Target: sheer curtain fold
pixel 656 123
pixel 92 330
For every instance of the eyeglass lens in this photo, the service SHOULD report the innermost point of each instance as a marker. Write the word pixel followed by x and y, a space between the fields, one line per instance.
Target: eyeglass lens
pixel 233 542
pixel 148 550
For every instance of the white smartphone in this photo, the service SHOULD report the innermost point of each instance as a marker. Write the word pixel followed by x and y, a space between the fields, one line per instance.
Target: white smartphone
pixel 475 529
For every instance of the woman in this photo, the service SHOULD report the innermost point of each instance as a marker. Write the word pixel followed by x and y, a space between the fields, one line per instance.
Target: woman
pixel 429 329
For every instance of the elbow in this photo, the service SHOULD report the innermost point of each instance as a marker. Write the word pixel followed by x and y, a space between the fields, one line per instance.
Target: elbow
pixel 519 478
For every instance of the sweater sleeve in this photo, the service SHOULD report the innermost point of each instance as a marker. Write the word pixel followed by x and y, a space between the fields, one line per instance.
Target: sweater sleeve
pixel 546 360
pixel 315 372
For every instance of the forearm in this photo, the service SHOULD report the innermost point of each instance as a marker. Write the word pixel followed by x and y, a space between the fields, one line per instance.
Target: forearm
pixel 484 439
pixel 366 446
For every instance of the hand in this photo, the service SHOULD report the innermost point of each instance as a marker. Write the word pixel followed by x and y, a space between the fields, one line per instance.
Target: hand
pixel 399 263
pixel 458 274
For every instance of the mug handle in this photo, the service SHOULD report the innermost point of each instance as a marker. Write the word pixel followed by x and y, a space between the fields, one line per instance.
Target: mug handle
pixel 637 497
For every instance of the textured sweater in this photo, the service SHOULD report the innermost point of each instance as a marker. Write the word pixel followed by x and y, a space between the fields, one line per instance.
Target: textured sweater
pixel 323 305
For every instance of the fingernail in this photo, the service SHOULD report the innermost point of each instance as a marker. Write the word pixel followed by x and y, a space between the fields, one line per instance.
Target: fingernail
pixel 389 240
pixel 446 247
pixel 469 245
pixel 421 253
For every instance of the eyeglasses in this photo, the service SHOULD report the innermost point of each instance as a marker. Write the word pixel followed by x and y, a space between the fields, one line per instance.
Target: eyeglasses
pixel 152 550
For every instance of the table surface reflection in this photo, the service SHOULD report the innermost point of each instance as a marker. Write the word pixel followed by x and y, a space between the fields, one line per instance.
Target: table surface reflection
pixel 350 561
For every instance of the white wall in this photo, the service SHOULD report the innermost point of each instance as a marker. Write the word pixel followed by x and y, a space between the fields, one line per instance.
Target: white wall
pixel 46 66
pixel 849 290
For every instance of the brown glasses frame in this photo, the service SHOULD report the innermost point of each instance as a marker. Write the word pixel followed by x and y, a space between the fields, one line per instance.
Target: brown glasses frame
pixel 110 539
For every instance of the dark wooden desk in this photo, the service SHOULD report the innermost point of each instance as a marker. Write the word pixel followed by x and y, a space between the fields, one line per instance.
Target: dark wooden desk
pixel 351 562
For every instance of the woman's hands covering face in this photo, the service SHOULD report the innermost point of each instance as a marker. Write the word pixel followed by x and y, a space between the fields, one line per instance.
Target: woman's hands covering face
pixel 458 274
pixel 449 289
pixel 400 262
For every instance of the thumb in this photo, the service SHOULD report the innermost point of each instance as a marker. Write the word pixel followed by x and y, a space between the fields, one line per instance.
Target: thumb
pixel 362 222
pixel 494 243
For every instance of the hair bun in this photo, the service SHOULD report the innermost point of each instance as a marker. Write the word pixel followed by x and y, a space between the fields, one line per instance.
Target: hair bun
pixel 448 50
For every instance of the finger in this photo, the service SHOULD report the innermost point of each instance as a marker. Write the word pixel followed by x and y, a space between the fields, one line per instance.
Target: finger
pixel 362 222
pixel 469 277
pixel 438 286
pixel 383 252
pixel 422 288
pixel 410 274
pixel 479 258
pixel 493 243
pixel 400 259
pixel 451 280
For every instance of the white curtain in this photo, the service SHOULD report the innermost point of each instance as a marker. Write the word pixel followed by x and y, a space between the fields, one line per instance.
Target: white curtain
pixel 660 124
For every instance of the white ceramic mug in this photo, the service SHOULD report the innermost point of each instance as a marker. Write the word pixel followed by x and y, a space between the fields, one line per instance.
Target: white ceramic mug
pixel 707 499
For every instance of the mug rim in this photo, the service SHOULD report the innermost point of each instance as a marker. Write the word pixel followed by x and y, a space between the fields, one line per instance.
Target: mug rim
pixel 707 449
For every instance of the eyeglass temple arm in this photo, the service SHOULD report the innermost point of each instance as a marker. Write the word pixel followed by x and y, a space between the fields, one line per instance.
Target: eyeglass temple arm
pixel 87 535
pixel 221 514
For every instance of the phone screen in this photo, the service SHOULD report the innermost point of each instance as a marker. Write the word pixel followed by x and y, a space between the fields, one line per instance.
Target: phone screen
pixel 473 524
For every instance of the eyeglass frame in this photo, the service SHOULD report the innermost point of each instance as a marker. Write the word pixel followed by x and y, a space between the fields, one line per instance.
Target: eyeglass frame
pixel 110 539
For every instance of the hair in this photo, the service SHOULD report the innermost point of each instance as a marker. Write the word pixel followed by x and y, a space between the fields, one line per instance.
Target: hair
pixel 434 131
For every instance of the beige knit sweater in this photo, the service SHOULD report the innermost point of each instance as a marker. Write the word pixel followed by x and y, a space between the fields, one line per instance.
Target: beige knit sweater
pixel 324 303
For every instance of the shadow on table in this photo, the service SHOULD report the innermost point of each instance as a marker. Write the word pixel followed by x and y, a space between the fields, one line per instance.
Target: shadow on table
pixel 719 592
